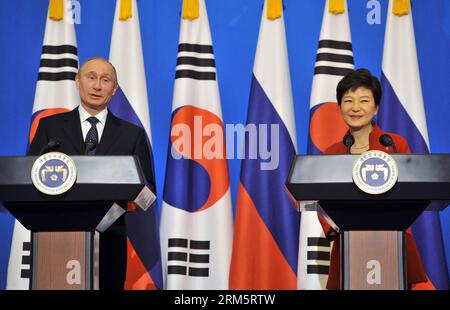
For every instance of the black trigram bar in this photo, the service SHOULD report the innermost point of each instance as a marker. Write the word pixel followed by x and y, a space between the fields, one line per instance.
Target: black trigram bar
pixel 26 246
pixel 317 269
pixel 341 45
pixel 196 75
pixel 195 61
pixel 318 255
pixel 178 242
pixel 199 245
pixel 198 272
pixel 312 241
pixel 57 63
pixel 196 48
pixel 199 258
pixel 58 76
pixel 332 70
pixel 25 273
pixel 335 58
pixel 59 49
pixel 179 256
pixel 177 270
pixel 26 260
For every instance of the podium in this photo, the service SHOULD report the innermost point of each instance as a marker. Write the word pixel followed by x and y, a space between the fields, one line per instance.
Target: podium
pixel 371 227
pixel 64 244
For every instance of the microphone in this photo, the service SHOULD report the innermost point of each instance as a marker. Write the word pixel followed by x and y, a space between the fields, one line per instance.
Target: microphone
pixel 348 141
pixel 387 140
pixel 90 146
pixel 52 145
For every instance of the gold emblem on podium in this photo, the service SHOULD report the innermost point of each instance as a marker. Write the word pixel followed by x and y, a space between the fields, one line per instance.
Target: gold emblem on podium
pixel 53 173
pixel 375 172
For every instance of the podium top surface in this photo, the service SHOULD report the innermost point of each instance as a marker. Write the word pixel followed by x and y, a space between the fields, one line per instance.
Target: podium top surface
pixel 99 178
pixel 329 177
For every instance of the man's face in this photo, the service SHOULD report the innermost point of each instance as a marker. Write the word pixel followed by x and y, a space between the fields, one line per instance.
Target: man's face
pixel 96 83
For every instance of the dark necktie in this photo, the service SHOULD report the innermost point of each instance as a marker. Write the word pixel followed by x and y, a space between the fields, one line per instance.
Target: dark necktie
pixel 92 136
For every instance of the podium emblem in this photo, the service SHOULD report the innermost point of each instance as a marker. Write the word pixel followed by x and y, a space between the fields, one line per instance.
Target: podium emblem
pixel 375 172
pixel 53 173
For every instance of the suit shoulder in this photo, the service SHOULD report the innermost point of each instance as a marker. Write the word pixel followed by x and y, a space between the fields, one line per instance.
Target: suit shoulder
pixel 55 117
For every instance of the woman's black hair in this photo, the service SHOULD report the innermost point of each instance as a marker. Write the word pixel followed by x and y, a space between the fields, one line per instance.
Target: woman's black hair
pixel 359 78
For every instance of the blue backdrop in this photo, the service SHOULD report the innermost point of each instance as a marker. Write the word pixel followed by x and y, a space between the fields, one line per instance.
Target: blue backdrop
pixel 234 29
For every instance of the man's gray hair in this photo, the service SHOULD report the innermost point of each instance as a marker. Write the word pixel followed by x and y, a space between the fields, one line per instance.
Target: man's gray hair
pixel 99 58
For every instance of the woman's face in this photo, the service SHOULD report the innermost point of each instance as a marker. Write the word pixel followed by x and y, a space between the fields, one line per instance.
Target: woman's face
pixel 358 108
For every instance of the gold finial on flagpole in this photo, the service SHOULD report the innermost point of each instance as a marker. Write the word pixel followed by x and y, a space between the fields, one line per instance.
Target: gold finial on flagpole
pixel 125 10
pixel 336 6
pixel 56 10
pixel 191 9
pixel 401 7
pixel 274 9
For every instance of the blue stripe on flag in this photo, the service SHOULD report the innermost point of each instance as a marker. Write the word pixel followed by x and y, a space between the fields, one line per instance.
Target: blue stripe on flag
pixel 394 118
pixel 120 107
pixel 142 227
pixel 427 228
pixel 264 186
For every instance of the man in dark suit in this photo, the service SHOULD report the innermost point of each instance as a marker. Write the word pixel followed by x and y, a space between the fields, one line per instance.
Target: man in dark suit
pixel 92 129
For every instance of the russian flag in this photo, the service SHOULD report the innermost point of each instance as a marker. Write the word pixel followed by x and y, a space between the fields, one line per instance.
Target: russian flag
pixel 131 104
pixel 266 232
pixel 402 111
pixel 56 92
pixel 196 218
pixel 334 60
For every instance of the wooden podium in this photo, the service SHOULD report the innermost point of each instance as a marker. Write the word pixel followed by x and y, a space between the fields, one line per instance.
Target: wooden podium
pixel 64 242
pixel 372 227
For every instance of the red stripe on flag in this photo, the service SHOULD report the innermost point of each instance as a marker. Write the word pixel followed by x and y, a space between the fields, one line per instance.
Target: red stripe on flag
pixel 137 278
pixel 423 286
pixel 257 262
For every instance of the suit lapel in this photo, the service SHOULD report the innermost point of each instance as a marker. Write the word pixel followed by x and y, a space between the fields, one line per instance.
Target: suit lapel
pixel 72 129
pixel 109 135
